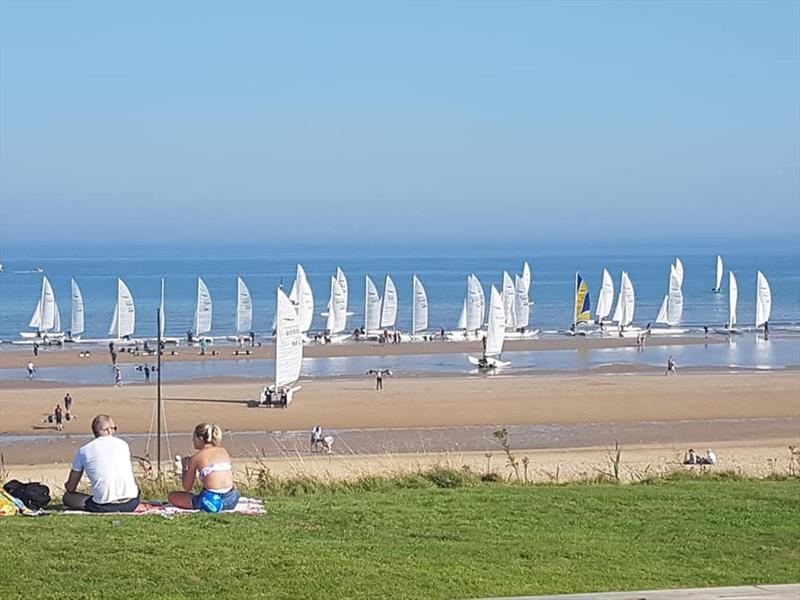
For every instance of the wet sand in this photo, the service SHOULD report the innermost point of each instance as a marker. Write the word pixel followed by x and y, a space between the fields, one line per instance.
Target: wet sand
pixel 421 403
pixel 16 357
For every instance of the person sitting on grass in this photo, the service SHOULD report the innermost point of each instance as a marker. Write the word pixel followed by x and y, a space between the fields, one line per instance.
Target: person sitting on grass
pixel 107 462
pixel 212 465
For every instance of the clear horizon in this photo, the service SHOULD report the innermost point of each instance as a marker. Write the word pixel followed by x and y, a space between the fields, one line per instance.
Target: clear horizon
pixel 245 124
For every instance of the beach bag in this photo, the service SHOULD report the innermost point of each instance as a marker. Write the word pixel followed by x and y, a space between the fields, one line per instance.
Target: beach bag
pixel 8 506
pixel 33 495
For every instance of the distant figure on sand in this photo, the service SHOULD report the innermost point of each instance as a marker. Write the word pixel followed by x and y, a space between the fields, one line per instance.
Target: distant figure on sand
pixel 316 438
pixel 58 414
pixel 766 330
pixel 107 462
pixel 146 374
pixel 68 404
pixel 31 369
pixel 35 348
pixel 691 457
pixel 672 368
pixel 327 444
pixel 379 373
pixel 117 377
pixel 212 465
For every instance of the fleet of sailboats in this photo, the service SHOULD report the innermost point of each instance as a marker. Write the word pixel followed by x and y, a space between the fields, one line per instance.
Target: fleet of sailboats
pixel 381 311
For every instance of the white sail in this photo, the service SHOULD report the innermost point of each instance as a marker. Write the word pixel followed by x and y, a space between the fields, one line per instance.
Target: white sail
pixel 76 324
pixel 522 305
pixel 162 314
pixel 474 305
pixel 627 301
pixel 342 281
pixel 662 312
pixel 675 308
pixel 526 278
pixel 679 269
pixel 605 300
pixel 482 309
pixel 44 316
pixel 496 330
pixel 304 298
pixel 288 342
pixel 720 271
pixel 733 298
pixel 509 299
pixel 244 307
pixel 124 320
pixel 203 312
pixel 337 314
pixel 419 309
pixel 56 317
pixel 36 317
pixel 617 318
pixel 462 317
pixel 763 300
pixel 372 306
pixel 389 304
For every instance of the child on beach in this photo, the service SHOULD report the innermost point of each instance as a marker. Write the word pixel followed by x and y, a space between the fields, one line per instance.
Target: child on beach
pixel 31 369
pixel 671 366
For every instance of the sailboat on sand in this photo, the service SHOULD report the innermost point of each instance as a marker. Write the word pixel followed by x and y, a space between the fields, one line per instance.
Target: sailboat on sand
pixel 123 322
pixel 288 354
pixel 46 317
pixel 495 336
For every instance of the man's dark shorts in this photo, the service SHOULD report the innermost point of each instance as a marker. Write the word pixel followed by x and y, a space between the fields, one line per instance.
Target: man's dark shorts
pixel 111 507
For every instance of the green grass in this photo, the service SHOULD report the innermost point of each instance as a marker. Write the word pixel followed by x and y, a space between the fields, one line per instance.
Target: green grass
pixel 422 542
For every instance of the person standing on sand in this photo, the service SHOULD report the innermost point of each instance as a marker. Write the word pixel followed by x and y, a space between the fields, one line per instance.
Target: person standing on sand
pixel 316 437
pixel 36 348
pixel 379 380
pixel 58 414
pixel 68 404
pixel 117 377
pixel 671 366
pixel 31 369
pixel 146 374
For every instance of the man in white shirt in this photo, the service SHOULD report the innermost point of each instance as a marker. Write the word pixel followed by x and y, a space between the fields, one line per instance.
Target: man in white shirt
pixel 107 462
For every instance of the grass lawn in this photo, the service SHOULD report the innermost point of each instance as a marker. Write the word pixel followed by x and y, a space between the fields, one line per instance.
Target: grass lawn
pixel 488 540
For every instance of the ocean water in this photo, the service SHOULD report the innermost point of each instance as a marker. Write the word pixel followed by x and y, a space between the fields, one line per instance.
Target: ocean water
pixel 443 273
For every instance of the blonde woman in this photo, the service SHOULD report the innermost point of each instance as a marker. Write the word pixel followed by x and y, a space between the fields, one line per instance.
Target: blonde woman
pixel 212 465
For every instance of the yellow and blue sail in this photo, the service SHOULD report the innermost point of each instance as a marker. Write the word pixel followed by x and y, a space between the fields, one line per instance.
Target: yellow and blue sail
pixel 582 304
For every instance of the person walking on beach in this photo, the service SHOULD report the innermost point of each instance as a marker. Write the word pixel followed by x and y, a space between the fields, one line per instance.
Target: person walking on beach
pixel 117 377
pixel 68 404
pixel 31 369
pixel 379 380
pixel 203 346
pixel 146 374
pixel 671 366
pixel 113 358
pixel 36 348
pixel 58 414
pixel 766 330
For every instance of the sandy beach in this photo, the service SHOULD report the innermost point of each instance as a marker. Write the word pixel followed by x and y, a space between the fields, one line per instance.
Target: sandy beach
pixel 16 357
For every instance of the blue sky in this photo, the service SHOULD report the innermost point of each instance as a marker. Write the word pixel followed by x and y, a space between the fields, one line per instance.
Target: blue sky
pixel 437 122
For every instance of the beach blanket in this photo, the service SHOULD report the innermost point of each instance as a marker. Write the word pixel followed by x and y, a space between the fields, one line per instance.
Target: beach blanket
pixel 245 506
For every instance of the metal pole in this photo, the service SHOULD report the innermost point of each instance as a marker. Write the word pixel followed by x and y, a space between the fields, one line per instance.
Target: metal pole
pixel 158 386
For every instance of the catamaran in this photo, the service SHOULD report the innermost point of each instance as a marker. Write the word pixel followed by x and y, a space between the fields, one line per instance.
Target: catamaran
pixel 671 310
pixel 244 309
pixel 77 321
pixel 495 335
pixel 337 312
pixel 288 352
pixel 720 271
pixel 203 312
pixel 763 300
pixel 303 299
pixel 733 298
pixel 372 307
pixel 509 300
pixel 124 320
pixel 419 308
pixel 582 314
pixel 605 300
pixel 46 317
pixel 626 303
pixel 388 305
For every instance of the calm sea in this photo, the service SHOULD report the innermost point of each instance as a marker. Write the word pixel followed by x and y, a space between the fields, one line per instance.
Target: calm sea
pixel 443 273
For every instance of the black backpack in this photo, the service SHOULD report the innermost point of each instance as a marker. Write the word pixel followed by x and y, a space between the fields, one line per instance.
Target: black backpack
pixel 34 495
